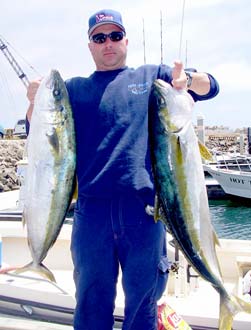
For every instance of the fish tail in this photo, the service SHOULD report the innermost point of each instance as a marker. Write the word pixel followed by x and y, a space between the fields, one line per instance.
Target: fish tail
pixel 226 316
pixel 40 269
pixel 245 306
pixel 229 307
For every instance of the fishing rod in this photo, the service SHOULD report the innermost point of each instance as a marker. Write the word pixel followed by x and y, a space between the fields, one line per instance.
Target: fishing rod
pixel 161 39
pixel 181 28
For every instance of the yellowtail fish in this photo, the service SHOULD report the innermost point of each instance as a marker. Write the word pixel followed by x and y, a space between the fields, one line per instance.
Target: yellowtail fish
pixel 49 180
pixel 182 202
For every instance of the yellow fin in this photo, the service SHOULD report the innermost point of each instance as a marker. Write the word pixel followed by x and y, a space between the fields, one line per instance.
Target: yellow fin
pixel 157 212
pixel 229 308
pixel 54 140
pixel 246 306
pixel 40 269
pixel 216 238
pixel 75 190
pixel 204 152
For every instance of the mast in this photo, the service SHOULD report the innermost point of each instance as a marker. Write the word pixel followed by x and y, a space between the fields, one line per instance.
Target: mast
pixel 13 63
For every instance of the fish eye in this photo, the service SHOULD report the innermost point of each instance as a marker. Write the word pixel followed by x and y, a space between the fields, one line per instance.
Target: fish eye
pixel 56 94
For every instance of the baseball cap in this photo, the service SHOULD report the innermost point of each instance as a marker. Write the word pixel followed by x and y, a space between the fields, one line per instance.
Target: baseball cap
pixel 105 16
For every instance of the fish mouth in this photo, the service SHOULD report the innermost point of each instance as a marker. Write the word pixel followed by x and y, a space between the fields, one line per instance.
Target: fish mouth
pixel 53 83
pixel 161 84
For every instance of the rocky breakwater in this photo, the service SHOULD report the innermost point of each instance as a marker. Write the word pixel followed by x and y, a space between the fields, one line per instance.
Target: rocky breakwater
pixel 11 151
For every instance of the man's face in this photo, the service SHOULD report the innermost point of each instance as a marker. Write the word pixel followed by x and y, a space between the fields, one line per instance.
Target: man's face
pixel 110 55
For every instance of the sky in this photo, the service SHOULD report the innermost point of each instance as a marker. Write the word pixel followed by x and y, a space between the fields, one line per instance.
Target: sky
pixel 210 35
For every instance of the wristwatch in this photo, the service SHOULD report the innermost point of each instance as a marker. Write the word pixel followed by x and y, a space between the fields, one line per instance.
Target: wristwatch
pixel 189 78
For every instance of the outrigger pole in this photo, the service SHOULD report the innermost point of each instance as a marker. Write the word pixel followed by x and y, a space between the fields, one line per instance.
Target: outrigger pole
pixel 14 64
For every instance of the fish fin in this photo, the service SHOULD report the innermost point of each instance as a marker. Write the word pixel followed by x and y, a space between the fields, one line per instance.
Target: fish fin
pixel 216 238
pixel 75 189
pixel 204 152
pixel 229 308
pixel 73 193
pixel 23 219
pixel 39 269
pixel 226 318
pixel 159 213
pixel 246 306
pixel 53 140
pixel 156 209
pixel 46 273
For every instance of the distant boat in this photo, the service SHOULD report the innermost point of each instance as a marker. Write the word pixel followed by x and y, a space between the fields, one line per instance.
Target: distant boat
pixel 233 174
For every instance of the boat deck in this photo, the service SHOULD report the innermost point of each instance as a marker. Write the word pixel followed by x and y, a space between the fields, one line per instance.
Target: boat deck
pixel 199 306
pixel 8 322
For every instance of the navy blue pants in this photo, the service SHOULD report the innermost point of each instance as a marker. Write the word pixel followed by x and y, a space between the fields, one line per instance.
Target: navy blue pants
pixel 106 233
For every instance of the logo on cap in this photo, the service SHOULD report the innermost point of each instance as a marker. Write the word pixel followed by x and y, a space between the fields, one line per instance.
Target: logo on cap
pixel 103 17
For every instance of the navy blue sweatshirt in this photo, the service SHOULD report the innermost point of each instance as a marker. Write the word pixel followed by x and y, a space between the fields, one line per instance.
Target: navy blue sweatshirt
pixel 110 110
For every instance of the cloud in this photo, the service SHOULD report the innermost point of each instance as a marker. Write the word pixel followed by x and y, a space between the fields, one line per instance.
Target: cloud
pixel 234 76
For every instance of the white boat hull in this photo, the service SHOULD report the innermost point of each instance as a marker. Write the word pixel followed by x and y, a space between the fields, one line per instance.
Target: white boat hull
pixel 233 182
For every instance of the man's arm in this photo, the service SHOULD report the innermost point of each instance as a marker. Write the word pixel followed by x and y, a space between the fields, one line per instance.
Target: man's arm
pixel 200 83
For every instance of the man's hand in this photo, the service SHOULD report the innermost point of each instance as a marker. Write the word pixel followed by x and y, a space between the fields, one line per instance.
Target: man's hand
pixel 179 77
pixel 31 93
pixel 32 90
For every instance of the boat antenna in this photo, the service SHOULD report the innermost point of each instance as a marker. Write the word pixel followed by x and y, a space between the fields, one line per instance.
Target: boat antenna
pixel 144 42
pixel 161 39
pixel 181 30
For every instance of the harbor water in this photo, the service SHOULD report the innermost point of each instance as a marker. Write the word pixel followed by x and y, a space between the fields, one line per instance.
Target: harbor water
pixel 231 218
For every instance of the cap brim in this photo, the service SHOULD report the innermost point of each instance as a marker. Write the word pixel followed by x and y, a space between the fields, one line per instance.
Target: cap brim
pixel 103 23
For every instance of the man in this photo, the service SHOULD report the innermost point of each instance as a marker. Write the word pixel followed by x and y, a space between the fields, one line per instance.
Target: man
pixel 111 226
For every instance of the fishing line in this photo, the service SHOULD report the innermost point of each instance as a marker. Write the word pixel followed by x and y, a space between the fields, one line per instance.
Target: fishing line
pixel 8 90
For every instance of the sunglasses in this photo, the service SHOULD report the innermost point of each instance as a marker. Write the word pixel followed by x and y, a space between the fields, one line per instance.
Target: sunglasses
pixel 100 38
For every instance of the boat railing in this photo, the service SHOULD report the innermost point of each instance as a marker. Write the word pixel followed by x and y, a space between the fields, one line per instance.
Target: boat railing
pixel 238 163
